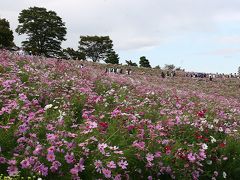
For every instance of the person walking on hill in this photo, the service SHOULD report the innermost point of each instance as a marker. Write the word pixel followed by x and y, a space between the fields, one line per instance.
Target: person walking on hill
pixel 210 77
pixel 162 74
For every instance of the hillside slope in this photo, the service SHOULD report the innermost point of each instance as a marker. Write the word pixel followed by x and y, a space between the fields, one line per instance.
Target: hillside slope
pixel 58 120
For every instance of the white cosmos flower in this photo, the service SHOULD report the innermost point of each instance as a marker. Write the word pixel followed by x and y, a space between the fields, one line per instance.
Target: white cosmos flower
pixel 48 107
pixel 220 129
pixel 213 140
pixel 209 162
pixel 210 126
pixel 224 175
pixel 216 121
pixel 204 146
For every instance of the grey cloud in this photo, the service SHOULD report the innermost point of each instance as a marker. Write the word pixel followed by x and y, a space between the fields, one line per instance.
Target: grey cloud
pixel 132 24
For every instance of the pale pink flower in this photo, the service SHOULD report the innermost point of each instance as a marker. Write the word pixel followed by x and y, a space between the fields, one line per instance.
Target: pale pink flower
pixel 12 170
pixel 149 157
pixel 191 157
pixel 98 165
pixel 107 173
pixel 50 156
pixel 123 164
pixel 101 147
pixel 69 158
pixel 111 165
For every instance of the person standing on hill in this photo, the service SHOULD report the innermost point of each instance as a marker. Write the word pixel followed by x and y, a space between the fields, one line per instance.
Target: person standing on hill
pixel 162 74
pixel 128 71
pixel 210 77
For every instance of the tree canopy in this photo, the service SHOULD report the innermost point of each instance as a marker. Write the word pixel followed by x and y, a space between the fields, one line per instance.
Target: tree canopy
pixel 130 63
pixel 112 58
pixel 6 35
pixel 96 47
pixel 45 31
pixel 169 67
pixel 70 53
pixel 144 62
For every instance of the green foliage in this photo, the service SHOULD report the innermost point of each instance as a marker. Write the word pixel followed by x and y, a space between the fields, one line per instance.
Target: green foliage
pixel 144 62
pixel 18 177
pixel 45 31
pixel 77 103
pixel 24 77
pixel 130 63
pixel 169 67
pixel 2 70
pixel 96 47
pixel 6 35
pixel 70 53
pixel 112 58
pixel 7 141
pixel 232 151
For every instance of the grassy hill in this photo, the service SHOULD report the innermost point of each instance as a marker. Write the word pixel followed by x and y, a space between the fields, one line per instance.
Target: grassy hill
pixel 58 120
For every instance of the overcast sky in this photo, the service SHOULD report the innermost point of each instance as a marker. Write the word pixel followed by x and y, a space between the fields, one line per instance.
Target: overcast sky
pixel 198 35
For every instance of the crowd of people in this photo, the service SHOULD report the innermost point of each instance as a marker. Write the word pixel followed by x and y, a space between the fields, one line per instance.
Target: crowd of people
pixel 211 75
pixel 117 70
pixel 164 74
pixel 172 74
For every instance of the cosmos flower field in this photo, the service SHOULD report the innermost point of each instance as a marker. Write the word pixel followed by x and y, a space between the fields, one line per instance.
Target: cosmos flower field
pixel 60 121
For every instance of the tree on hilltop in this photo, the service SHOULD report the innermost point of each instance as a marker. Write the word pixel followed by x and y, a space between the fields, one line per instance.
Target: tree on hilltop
pixel 130 63
pixel 96 47
pixel 169 67
pixel 144 62
pixel 45 31
pixel 112 58
pixel 70 53
pixel 6 35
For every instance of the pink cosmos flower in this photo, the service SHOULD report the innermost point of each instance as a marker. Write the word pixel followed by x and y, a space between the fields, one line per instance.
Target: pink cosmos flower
pixel 107 173
pixel 158 154
pixel 74 171
pixel 191 157
pixel 55 166
pixel 98 165
pixel 23 128
pixel 123 164
pixel 25 163
pixel 50 156
pixel 37 150
pixel 22 97
pixel 149 157
pixel 202 154
pixel 150 178
pixel 101 147
pixel 51 137
pixel 117 177
pixel 140 145
pixel 12 162
pixel 115 112
pixel 195 175
pixel 91 125
pixel 12 170
pixel 111 165
pixel 2 160
pixel 69 158
pixel 51 149
pixel 80 165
